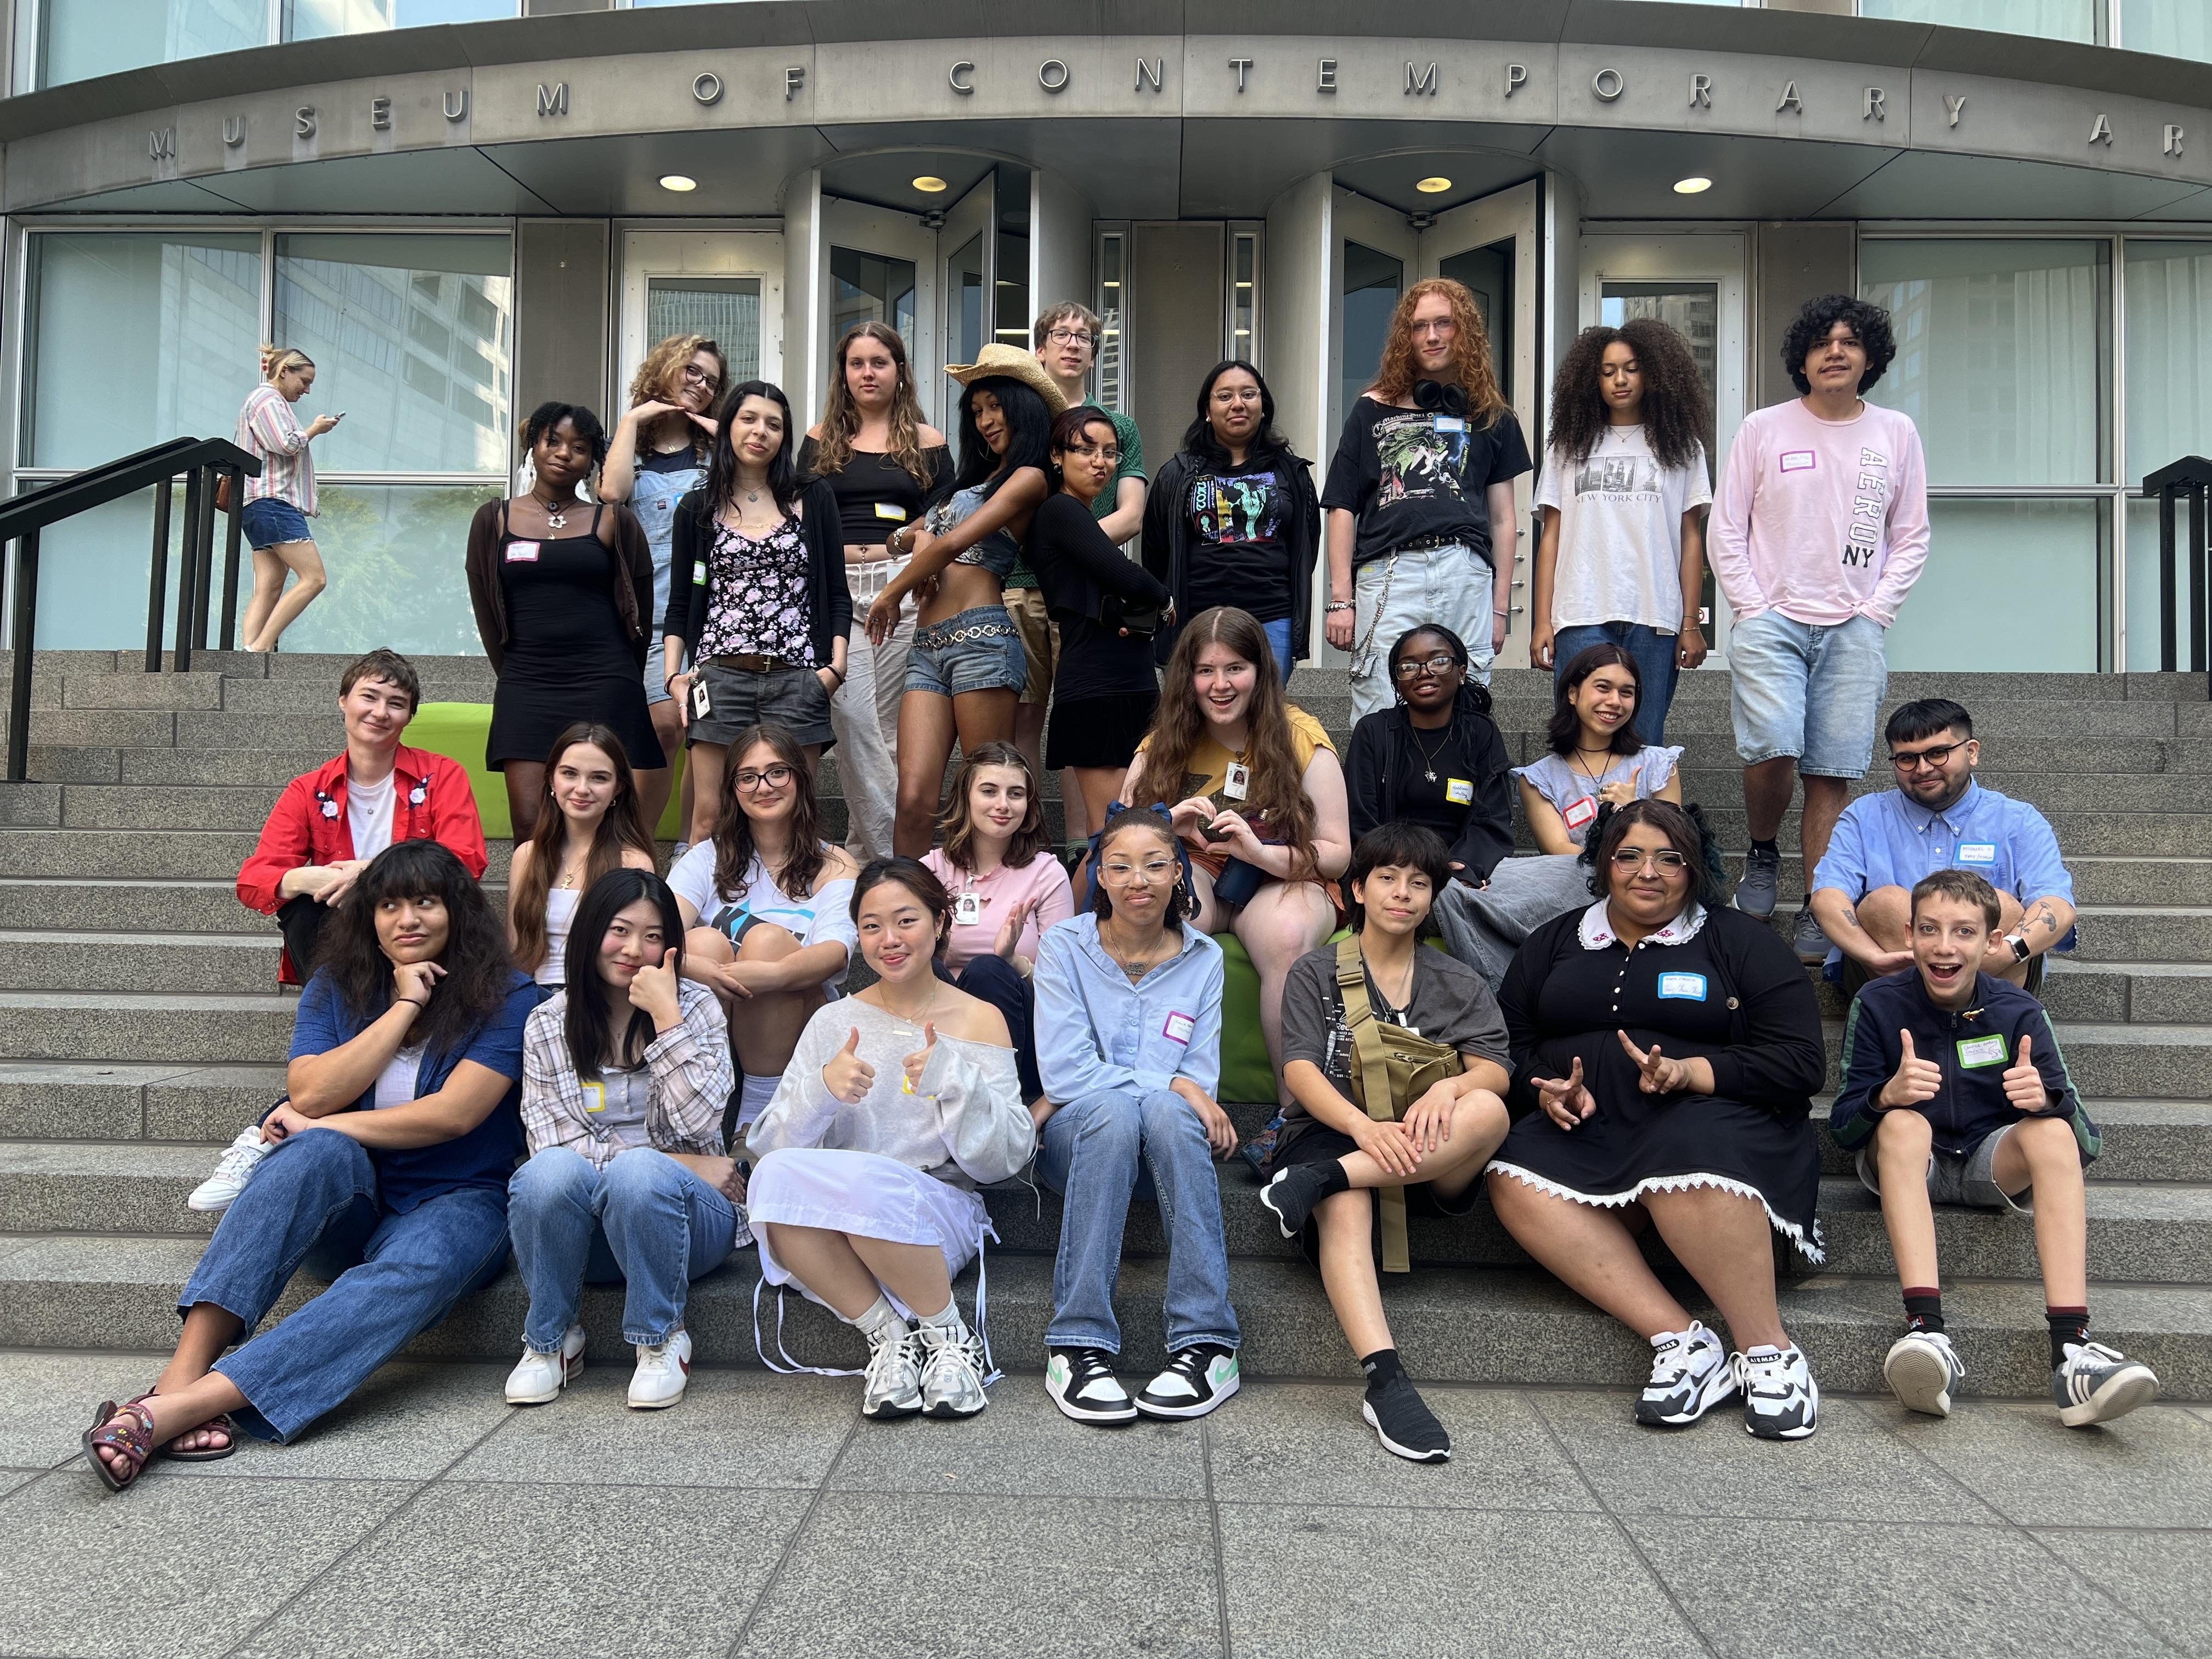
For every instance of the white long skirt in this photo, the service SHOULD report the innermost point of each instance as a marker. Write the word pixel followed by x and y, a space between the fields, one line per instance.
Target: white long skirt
pixel 863 1192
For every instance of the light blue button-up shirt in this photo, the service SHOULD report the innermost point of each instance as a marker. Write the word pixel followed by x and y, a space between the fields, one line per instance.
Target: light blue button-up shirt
pixel 1096 1030
pixel 1890 840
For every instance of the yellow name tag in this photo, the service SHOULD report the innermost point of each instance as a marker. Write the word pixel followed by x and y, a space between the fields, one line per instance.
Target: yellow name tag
pixel 1460 792
pixel 891 510
pixel 699 573
pixel 595 1096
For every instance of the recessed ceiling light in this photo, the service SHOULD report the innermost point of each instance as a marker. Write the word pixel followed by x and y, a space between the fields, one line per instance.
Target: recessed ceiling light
pixel 678 182
pixel 1692 186
pixel 929 184
pixel 1433 187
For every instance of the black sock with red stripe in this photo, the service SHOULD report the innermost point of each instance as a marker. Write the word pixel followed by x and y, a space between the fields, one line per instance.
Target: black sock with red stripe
pixel 2067 1325
pixel 1923 1308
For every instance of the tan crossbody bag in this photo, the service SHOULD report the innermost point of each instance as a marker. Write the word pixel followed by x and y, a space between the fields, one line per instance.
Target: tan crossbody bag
pixel 1392 1067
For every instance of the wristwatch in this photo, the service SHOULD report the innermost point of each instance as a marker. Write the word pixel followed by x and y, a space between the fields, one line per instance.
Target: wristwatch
pixel 2019 951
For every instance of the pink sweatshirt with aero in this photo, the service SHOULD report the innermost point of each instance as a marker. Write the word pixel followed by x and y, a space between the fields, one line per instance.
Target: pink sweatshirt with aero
pixel 1822 520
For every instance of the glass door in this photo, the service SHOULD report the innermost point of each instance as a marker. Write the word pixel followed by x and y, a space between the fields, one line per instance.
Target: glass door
pixel 727 285
pixel 967 247
pixel 882 267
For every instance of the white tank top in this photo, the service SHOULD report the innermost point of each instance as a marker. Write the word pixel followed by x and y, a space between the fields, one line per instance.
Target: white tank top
pixel 560 914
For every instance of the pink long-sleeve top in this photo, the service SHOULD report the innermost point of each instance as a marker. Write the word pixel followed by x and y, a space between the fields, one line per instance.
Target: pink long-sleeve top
pixel 1823 521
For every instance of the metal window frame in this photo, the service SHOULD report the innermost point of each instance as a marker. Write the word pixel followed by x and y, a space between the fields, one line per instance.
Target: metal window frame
pixel 1119 230
pixel 1255 231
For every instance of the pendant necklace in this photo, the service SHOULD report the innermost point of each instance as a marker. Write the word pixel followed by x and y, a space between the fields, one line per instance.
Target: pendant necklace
pixel 1428 759
pixel 555 517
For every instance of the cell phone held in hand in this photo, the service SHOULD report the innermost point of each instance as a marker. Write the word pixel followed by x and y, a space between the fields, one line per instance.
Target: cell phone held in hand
pixel 702 706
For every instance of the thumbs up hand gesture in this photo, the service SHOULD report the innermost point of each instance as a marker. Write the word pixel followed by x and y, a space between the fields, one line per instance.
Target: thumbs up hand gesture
pixel 847 1077
pixel 918 1062
pixel 2023 1084
pixel 1916 1080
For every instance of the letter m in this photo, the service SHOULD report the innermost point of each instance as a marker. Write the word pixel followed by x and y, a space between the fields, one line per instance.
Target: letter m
pixel 162 144
pixel 1418 81
pixel 553 101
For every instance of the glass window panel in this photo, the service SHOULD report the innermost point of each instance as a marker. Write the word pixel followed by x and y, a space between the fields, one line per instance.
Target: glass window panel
pixel 409 335
pixel 870 288
pixel 313 20
pixel 2178 28
pixel 2144 604
pixel 1112 249
pixel 135 340
pixel 2048 19
pixel 2042 616
pixel 964 302
pixel 93 570
pixel 1487 273
pixel 1999 355
pixel 1372 281
pixel 80 39
pixel 2169 353
pixel 726 309
pixel 393 554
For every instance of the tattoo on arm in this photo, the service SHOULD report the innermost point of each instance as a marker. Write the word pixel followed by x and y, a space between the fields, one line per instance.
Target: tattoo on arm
pixel 2048 919
pixel 1851 915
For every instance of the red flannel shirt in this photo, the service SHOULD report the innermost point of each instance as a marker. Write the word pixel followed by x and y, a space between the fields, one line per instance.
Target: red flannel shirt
pixel 432 800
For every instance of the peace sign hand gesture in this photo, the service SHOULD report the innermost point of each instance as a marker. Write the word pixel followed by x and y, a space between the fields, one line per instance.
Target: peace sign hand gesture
pixel 1565 1100
pixel 1661 1076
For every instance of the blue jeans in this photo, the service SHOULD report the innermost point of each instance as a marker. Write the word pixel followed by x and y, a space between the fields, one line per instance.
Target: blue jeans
pixel 1656 667
pixel 645 1221
pixel 314 1202
pixel 1447 584
pixel 1278 636
pixel 1808 691
pixel 1099 1152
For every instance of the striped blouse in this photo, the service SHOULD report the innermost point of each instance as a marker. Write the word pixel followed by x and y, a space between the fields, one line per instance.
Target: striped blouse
pixel 266 429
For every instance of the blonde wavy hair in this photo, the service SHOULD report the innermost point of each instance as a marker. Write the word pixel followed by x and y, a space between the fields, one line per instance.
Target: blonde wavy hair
pixel 277 360
pixel 840 416
pixel 660 377
pixel 1471 362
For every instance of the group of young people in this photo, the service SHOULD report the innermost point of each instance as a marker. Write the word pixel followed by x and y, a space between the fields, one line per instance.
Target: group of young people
pixel 633 1077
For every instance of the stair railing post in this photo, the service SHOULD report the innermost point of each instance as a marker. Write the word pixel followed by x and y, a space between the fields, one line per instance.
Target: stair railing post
pixel 2197 657
pixel 157 594
pixel 232 536
pixel 26 631
pixel 204 608
pixel 2168 602
pixel 187 586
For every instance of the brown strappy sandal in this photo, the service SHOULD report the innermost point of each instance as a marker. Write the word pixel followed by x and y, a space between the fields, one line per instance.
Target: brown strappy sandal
pixel 204 1454
pixel 129 1429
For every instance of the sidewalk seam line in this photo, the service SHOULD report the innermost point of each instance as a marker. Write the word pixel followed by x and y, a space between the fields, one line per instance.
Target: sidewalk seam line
pixel 798 1531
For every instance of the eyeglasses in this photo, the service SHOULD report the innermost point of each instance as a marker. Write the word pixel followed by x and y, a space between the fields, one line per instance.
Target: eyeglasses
pixel 1159 871
pixel 774 777
pixel 1629 859
pixel 1435 325
pixel 1107 452
pixel 1443 663
pixel 698 376
pixel 1936 757
pixel 1069 336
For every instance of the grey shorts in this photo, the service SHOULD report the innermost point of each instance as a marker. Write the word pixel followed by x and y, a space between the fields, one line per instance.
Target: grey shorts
pixel 977 650
pixel 1970 1180
pixel 790 697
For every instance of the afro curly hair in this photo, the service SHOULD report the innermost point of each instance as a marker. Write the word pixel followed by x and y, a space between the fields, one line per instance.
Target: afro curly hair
pixel 1869 321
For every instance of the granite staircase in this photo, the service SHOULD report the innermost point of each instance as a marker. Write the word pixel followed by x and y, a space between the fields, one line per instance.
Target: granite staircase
pixel 141 1026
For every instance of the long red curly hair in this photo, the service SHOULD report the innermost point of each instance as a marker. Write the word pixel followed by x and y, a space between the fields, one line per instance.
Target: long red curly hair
pixel 1471 361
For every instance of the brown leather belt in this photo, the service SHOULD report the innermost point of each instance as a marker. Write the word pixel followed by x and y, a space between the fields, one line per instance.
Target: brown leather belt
pixel 750 665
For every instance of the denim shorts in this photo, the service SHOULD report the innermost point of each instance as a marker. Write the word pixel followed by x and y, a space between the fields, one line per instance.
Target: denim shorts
pixel 1971 1180
pixel 1809 691
pixel 269 522
pixel 977 650
pixel 740 698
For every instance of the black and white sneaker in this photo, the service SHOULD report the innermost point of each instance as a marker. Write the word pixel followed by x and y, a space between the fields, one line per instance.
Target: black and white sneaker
pixel 1082 1383
pixel 2097 1384
pixel 1404 1423
pixel 1197 1380
pixel 1291 1196
pixel 1781 1401
pixel 1690 1376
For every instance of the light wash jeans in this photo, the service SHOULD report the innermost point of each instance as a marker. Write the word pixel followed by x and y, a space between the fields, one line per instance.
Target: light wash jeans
pixel 645 1221
pixel 1100 1151
pixel 1656 667
pixel 314 1202
pixel 1446 584
pixel 865 713
pixel 1811 691
pixel 1483 927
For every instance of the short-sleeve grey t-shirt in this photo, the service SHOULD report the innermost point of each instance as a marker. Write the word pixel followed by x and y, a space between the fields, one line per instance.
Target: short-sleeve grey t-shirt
pixel 1451 1004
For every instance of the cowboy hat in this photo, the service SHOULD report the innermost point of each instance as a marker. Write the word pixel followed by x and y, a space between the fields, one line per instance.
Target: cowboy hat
pixel 1012 363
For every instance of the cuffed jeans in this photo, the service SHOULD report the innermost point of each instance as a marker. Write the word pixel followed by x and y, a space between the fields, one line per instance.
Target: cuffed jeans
pixel 1100 1151
pixel 1656 669
pixel 645 1220
pixel 314 1202
pixel 865 713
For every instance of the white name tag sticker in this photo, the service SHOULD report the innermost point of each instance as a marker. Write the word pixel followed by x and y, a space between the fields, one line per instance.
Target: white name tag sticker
pixel 1460 792
pixel 1580 813
pixel 1683 988
pixel 522 552
pixel 1236 782
pixel 1799 460
pixel 1451 424
pixel 698 572
pixel 891 510
pixel 595 1096
pixel 1982 1051
pixel 967 910
pixel 1179 1027
pixel 1977 852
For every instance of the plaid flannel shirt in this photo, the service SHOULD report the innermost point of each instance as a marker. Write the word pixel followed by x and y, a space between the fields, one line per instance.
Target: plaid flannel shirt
pixel 692 1075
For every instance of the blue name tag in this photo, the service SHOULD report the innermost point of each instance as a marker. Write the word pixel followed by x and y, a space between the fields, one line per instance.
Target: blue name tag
pixel 1687 988
pixel 1977 852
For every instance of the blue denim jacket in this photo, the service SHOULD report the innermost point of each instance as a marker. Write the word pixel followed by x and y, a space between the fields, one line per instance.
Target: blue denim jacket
pixel 1094 1031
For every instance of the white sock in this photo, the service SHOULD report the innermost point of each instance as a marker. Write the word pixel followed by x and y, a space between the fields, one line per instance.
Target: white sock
pixel 948 1319
pixel 879 1322
pixel 754 1097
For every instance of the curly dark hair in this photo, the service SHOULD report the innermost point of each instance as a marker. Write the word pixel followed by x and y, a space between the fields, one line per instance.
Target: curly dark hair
pixel 1565 731
pixel 1686 832
pixel 1676 409
pixel 547 416
pixel 1868 320
pixel 478 973
pixel 1180 901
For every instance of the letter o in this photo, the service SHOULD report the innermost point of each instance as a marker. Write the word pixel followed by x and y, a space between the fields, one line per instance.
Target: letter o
pixel 1045 75
pixel 707 87
pixel 1608 84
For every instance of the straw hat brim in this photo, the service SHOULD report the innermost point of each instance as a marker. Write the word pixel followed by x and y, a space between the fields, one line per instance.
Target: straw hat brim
pixel 1010 363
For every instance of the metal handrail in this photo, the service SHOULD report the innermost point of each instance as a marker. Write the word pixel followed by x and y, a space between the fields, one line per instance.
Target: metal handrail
pixel 203 462
pixel 2190 477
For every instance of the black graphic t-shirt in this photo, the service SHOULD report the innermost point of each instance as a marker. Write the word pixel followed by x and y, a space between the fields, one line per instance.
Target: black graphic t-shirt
pixel 1411 474
pixel 1238 556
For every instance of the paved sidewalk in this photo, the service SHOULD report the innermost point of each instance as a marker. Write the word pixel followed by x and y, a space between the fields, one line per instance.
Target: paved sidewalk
pixel 762 1517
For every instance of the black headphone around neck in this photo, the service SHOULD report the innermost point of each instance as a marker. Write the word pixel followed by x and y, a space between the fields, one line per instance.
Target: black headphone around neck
pixel 1438 396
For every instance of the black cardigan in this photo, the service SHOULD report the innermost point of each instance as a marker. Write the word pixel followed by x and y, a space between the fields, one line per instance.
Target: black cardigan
pixel 1077 568
pixel 1776 1056
pixel 1382 754
pixel 829 601
pixel 1167 542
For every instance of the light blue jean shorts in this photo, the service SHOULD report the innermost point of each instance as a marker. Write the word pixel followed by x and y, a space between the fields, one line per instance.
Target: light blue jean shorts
pixel 1809 691
pixel 977 650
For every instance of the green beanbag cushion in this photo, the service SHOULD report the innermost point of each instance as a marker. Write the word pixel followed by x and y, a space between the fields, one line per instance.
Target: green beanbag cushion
pixel 457 730
pixel 1246 1077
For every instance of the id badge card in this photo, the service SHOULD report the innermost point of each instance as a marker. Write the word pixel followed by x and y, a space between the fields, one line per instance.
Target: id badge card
pixel 1580 813
pixel 1236 782
pixel 701 707
pixel 1459 792
pixel 522 552
pixel 1451 424
pixel 967 910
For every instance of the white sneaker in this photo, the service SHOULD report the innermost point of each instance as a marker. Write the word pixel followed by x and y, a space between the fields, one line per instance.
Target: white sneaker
pixel 1780 1400
pixel 951 1371
pixel 232 1171
pixel 663 1372
pixel 538 1378
pixel 1690 1376
pixel 1921 1368
pixel 893 1378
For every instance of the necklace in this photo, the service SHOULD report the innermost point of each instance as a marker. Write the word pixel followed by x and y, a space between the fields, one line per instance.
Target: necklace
pixel 918 1018
pixel 556 514
pixel 1137 965
pixel 1596 777
pixel 1428 759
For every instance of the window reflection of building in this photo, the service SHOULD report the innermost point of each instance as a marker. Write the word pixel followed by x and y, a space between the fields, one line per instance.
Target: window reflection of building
pixel 867 288
pixel 726 309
